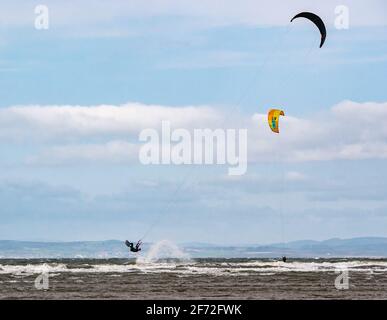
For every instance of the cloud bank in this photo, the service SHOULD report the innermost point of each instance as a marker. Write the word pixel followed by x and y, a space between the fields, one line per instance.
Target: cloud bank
pixel 215 12
pixel 78 134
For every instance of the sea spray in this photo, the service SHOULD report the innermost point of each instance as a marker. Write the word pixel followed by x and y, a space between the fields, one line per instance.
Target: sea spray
pixel 163 250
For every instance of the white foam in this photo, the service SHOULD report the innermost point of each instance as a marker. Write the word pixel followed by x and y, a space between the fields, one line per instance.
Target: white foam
pixel 189 267
pixel 162 250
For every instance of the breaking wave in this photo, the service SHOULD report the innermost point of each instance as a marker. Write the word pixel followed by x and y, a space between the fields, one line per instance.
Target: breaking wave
pixel 163 251
pixel 164 257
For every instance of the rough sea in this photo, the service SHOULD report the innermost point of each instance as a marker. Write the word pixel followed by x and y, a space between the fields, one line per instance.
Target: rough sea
pixel 193 279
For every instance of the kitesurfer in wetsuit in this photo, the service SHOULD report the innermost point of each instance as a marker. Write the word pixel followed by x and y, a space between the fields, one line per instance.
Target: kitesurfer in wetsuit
pixel 284 259
pixel 132 247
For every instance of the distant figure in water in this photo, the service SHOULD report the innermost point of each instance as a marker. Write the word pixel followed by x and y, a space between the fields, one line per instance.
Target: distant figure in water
pixel 132 247
pixel 283 259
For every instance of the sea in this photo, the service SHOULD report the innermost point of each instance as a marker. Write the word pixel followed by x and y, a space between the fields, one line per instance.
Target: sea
pixel 186 278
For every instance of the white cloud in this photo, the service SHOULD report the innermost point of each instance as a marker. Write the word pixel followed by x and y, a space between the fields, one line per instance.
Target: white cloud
pixel 295 176
pixel 72 122
pixel 74 134
pixel 215 12
pixel 348 131
pixel 111 152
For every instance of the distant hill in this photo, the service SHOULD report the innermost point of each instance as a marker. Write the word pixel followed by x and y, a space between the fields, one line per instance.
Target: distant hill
pixel 355 247
pixel 81 249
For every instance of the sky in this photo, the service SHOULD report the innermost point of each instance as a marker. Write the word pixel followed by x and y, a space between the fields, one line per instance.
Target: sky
pixel 74 98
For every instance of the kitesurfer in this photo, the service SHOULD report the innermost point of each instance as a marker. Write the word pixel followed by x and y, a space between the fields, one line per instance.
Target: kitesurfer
pixel 132 247
pixel 284 259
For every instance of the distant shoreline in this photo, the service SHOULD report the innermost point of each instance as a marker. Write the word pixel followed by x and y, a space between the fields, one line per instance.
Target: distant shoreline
pixel 365 247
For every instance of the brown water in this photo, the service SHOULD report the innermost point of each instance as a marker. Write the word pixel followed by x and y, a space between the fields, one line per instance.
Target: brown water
pixel 193 279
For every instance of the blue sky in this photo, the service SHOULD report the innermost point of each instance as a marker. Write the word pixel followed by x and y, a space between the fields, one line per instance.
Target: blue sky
pixel 74 97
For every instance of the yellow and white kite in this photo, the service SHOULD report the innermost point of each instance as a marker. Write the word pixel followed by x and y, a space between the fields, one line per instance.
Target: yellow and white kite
pixel 273 119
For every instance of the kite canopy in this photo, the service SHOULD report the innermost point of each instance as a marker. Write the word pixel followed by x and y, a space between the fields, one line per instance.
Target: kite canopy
pixel 317 21
pixel 273 119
